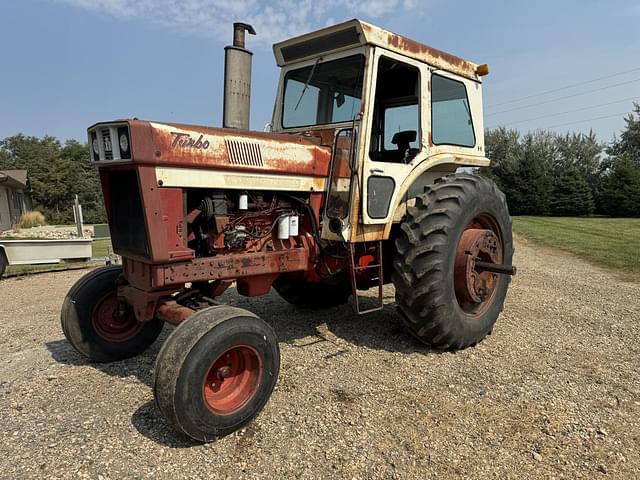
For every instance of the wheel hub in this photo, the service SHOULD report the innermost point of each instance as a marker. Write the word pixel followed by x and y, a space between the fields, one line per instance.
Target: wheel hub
pixel 473 282
pixel 113 321
pixel 232 380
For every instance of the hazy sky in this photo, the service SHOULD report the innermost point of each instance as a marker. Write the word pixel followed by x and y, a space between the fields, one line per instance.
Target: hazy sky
pixel 68 63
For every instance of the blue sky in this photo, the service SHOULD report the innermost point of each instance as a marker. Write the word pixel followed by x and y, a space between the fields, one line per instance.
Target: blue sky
pixel 69 63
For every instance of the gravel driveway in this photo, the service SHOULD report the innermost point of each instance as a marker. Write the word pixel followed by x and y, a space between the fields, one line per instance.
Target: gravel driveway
pixel 553 393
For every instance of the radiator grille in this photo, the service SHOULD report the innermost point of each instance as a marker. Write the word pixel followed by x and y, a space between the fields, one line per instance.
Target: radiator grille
pixel 107 144
pixel 126 215
pixel 244 153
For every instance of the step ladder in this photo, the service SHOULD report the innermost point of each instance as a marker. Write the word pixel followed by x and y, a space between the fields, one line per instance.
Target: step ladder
pixel 377 263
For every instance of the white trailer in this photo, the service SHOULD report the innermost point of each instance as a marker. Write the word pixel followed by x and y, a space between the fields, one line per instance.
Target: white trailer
pixel 29 252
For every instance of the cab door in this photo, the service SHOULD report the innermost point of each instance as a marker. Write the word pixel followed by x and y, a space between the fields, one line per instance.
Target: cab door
pixel 395 133
pixel 342 176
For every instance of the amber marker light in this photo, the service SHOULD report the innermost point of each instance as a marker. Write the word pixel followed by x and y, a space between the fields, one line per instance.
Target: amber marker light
pixel 482 70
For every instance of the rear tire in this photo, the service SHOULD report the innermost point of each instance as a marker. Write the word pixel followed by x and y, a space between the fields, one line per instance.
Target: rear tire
pixel 430 292
pixel 314 295
pixel 216 372
pixel 95 325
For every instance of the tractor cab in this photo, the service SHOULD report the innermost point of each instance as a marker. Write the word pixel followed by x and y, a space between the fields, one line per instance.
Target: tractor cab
pixel 397 114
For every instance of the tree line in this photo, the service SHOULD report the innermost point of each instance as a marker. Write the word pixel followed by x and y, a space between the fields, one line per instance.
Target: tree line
pixel 545 173
pixel 57 172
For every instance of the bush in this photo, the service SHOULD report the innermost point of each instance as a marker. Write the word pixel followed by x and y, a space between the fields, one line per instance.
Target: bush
pixel 571 194
pixel 31 219
pixel 619 194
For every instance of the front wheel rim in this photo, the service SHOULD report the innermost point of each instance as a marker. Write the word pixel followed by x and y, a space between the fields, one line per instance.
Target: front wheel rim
pixel 114 322
pixel 233 379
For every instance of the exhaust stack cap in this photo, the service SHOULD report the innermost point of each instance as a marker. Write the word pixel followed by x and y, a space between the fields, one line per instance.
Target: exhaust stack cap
pixel 237 79
pixel 239 30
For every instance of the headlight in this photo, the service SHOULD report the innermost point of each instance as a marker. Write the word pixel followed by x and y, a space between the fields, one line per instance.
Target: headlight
pixel 124 143
pixel 95 146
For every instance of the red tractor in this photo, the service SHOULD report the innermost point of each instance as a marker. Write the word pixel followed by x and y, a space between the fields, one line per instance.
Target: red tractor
pixel 353 187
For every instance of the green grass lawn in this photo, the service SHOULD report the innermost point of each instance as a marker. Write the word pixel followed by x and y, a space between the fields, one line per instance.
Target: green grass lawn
pixel 99 249
pixel 611 242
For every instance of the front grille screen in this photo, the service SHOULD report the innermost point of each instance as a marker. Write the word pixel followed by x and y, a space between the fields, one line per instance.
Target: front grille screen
pixel 107 144
pixel 127 225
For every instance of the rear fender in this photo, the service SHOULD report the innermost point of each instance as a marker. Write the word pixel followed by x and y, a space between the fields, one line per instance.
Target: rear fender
pixel 426 173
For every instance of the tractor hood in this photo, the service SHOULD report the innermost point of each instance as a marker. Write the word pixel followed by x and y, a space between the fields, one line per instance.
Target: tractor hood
pixel 191 146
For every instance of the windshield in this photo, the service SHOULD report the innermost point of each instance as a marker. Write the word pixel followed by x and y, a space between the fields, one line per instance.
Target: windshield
pixel 332 95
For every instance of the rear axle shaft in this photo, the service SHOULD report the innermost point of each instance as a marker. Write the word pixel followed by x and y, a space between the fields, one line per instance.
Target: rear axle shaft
pixel 496 268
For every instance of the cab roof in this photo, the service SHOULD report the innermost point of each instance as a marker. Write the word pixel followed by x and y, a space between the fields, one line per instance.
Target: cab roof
pixel 355 33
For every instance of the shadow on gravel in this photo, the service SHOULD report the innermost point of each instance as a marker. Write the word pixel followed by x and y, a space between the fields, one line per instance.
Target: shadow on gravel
pixel 300 328
pixel 140 367
pixel 149 422
pixel 381 330
pixel 147 419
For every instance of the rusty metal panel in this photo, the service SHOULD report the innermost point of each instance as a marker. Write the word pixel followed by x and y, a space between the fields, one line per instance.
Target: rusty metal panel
pixel 411 48
pixel 222 149
pixel 173 218
pixel 177 145
pixel 255 286
pixel 171 312
pixel 236 266
pixel 376 36
pixel 162 216
pixel 142 275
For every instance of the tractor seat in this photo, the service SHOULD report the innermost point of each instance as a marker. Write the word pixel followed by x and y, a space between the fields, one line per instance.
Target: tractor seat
pixel 403 141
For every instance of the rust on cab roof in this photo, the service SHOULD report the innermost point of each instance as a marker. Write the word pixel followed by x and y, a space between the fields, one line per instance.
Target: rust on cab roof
pixel 339 37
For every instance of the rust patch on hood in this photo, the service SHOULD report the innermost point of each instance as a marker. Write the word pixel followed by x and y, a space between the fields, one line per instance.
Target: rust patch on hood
pixel 181 145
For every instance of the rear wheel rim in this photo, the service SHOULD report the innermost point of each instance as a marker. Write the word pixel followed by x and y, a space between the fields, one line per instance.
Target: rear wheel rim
pixel 112 322
pixel 232 380
pixel 476 289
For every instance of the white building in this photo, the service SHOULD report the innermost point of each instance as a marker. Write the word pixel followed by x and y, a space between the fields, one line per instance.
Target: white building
pixel 14 197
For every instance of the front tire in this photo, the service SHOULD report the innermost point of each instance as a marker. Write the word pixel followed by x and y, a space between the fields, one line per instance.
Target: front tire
pixel 216 372
pixel 98 325
pixel 446 301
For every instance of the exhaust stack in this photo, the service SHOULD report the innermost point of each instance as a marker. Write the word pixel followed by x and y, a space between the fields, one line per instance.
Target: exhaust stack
pixel 237 80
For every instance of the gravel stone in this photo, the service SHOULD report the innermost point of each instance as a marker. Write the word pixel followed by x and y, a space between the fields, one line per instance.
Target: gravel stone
pixel 357 397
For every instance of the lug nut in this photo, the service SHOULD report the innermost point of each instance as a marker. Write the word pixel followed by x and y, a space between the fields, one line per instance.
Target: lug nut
pixel 224 372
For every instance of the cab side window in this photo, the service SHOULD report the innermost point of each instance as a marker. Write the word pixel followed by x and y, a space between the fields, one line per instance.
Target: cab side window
pixel 395 133
pixel 451 122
